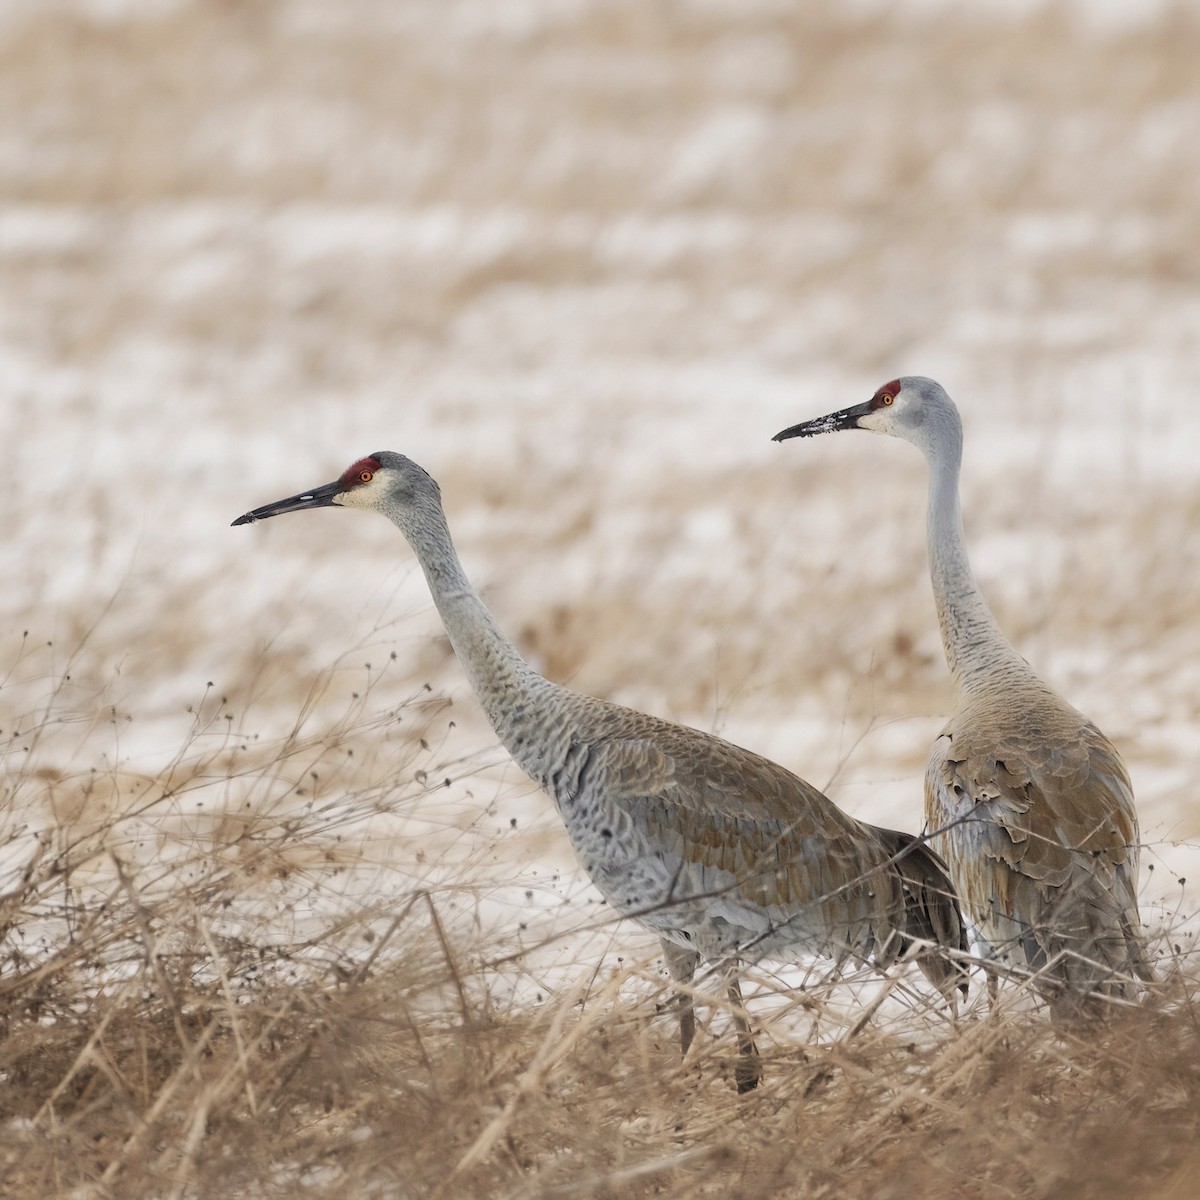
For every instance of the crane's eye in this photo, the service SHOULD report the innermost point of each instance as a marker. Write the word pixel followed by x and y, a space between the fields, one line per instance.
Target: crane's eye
pixel 365 476
pixel 886 399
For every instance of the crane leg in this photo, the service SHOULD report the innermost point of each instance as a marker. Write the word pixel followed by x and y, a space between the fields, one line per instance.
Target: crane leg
pixel 748 1072
pixel 681 965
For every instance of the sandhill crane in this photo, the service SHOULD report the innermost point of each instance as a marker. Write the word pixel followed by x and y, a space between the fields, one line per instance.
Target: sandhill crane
pixel 1029 803
pixel 721 853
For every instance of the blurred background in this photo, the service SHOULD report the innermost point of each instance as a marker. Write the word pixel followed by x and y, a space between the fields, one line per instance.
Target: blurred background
pixel 581 260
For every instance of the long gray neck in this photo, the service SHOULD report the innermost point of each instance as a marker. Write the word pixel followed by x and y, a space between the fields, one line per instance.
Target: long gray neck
pixel 516 699
pixel 976 651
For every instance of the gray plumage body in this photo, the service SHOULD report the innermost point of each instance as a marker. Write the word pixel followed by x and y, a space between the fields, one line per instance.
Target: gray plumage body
pixel 722 853
pixel 1028 802
pixel 1041 837
pixel 713 847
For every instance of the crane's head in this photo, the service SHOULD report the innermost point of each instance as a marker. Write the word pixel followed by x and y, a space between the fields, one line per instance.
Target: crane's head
pixel 382 481
pixel 911 407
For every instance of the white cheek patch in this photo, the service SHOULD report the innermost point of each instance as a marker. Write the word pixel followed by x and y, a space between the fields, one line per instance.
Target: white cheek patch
pixel 366 495
pixel 351 499
pixel 878 421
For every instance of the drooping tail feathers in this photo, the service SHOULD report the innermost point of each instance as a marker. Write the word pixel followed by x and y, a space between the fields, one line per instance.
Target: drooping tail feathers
pixel 1084 954
pixel 931 912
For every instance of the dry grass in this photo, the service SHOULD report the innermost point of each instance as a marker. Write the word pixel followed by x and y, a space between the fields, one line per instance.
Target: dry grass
pixel 300 930
pixel 215 1069
pixel 248 975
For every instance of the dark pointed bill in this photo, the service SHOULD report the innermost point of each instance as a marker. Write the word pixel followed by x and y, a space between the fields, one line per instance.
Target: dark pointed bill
pixel 847 418
pixel 320 497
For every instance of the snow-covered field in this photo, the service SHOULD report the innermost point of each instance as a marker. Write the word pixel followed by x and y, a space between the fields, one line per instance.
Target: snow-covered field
pixel 580 260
